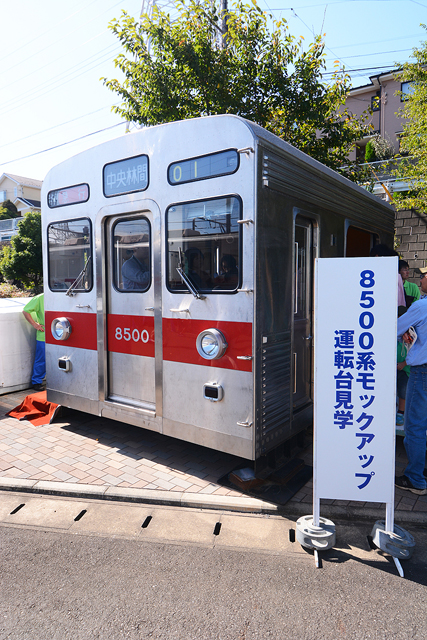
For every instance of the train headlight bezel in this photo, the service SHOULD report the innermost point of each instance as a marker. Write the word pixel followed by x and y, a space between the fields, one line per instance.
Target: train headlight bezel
pixel 211 344
pixel 61 328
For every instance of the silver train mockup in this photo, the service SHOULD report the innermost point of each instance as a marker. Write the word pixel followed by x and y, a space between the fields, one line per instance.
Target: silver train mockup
pixel 178 266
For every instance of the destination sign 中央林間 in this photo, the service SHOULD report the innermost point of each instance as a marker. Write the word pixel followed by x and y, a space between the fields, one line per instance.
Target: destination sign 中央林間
pixel 125 176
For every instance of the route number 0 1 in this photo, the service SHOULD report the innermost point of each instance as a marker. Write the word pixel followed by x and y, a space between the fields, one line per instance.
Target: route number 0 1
pixel 127 334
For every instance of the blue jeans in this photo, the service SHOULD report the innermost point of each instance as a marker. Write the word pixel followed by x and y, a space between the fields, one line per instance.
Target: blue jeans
pixel 39 368
pixel 416 425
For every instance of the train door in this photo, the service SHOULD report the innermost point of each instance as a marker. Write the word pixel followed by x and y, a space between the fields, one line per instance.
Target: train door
pixel 130 358
pixel 303 283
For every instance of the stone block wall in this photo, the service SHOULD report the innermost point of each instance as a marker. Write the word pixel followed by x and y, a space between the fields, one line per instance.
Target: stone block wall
pixel 411 237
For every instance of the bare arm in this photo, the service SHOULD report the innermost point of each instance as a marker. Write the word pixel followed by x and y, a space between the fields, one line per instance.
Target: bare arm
pixel 33 323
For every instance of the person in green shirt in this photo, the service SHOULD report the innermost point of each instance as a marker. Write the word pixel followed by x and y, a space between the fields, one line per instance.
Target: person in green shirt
pixel 412 291
pixel 34 314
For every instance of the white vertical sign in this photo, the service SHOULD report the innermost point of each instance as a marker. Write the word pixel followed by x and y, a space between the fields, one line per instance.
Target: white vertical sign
pixel 355 378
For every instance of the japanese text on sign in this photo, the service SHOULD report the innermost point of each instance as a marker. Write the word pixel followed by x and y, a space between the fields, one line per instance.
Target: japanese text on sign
pixel 69 195
pixel 363 368
pixel 125 176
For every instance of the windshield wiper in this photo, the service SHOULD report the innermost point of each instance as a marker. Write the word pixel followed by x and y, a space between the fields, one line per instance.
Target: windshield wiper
pixel 70 291
pixel 185 279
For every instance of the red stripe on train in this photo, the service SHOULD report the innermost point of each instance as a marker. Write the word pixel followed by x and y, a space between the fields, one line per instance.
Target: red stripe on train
pixel 179 342
pixel 131 334
pixel 83 329
pixel 135 335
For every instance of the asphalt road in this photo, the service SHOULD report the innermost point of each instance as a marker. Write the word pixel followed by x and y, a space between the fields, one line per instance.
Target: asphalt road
pixel 82 585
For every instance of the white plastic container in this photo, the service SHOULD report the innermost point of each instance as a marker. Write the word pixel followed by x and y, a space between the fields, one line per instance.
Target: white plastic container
pixel 17 346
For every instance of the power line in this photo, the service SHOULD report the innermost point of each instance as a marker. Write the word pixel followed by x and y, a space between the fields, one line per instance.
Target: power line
pixel 44 33
pixel 56 126
pixel 55 61
pixel 63 144
pixel 23 99
pixel 391 67
pixel 51 44
pixel 379 53
pixel 364 44
pixel 322 4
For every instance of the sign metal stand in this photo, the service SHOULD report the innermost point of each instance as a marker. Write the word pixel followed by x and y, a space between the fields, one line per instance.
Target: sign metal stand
pixel 355 398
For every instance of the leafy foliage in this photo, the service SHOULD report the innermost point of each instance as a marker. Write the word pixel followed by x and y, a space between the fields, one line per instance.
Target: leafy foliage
pixel 8 210
pixel 370 155
pixel 22 260
pixel 264 75
pixel 12 291
pixel 414 138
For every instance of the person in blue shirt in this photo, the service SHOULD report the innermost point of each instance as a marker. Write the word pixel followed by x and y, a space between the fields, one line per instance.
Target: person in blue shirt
pixel 416 394
pixel 135 271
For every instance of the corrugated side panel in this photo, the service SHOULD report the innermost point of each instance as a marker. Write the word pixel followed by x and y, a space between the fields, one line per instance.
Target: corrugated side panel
pixel 275 394
pixel 311 184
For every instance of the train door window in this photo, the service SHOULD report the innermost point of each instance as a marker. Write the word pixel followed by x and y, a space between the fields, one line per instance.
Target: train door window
pixel 203 242
pixel 70 255
pixel 131 255
pixel 302 338
pixel 302 254
pixel 359 242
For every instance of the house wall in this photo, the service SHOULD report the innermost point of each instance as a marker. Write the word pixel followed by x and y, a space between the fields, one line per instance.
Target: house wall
pixel 386 121
pixel 22 190
pixel 410 225
pixel 8 185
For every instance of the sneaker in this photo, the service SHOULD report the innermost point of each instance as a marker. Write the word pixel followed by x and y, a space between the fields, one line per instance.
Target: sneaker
pixel 399 420
pixel 404 483
pixel 39 387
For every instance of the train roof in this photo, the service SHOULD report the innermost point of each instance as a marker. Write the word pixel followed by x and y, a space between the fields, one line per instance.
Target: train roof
pixel 298 173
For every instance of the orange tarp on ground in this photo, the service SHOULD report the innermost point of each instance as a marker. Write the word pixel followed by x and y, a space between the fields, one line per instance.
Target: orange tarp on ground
pixel 36 409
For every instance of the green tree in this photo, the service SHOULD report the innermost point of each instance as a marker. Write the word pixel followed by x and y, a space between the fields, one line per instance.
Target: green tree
pixel 8 210
pixel 370 152
pixel 22 260
pixel 414 137
pixel 262 74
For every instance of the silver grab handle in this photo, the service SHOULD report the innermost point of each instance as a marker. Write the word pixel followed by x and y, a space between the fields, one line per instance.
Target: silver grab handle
pixel 295 372
pixel 149 308
pixel 296 278
pixel 244 357
pixel 246 150
pixel 246 221
pixel 245 290
pixel 245 424
pixel 180 310
pixel 306 337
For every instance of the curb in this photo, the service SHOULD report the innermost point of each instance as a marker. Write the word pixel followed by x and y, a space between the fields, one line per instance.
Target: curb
pixel 146 496
pixel 202 501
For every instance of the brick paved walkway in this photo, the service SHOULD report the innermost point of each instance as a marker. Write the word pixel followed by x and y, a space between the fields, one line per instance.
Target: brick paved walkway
pixel 80 448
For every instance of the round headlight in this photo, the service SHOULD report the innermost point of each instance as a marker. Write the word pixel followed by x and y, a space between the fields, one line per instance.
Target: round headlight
pixel 211 344
pixel 61 329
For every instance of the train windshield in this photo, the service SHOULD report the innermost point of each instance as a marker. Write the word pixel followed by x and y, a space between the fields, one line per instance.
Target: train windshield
pixel 204 240
pixel 70 251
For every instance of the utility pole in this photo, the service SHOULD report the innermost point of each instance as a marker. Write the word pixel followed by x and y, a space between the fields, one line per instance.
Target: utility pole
pixel 224 28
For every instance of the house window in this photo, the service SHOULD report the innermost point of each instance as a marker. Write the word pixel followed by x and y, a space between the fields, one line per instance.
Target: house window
pixel 376 101
pixel 406 89
pixel 3 196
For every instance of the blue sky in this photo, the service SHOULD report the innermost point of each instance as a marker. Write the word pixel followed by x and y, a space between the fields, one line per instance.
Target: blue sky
pixel 54 53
